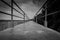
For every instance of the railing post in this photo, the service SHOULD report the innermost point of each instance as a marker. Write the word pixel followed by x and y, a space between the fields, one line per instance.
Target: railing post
pixel 45 23
pixel 12 23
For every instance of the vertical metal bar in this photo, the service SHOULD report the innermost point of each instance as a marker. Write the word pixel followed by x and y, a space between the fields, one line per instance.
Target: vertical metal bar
pixel 36 19
pixel 45 15
pixel 24 22
pixel 12 23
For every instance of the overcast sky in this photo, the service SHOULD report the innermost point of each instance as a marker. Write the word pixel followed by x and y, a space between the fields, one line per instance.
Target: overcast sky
pixel 27 5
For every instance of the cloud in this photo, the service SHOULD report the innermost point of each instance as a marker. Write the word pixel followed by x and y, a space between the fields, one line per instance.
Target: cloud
pixel 27 5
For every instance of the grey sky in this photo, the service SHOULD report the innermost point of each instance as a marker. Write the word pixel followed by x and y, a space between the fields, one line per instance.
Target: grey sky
pixel 27 5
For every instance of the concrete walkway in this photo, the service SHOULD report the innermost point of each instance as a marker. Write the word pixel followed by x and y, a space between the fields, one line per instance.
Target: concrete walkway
pixel 29 31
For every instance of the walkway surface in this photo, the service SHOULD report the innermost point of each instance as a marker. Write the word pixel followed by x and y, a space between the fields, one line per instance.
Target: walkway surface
pixel 29 31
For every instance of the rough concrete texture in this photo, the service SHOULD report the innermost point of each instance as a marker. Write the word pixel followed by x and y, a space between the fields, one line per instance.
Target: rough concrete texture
pixel 29 31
